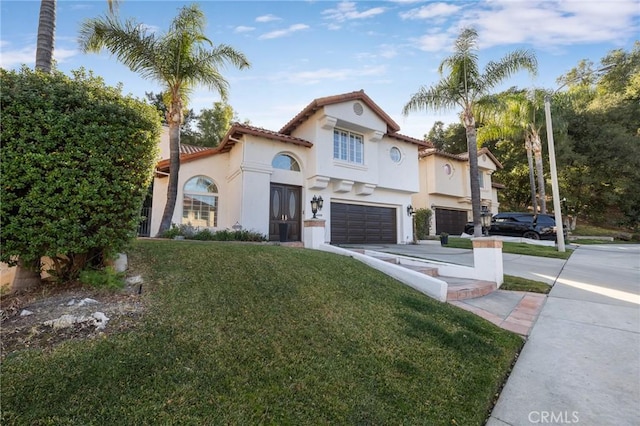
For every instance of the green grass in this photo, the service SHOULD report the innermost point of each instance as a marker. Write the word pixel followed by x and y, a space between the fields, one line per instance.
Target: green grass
pixel 514 283
pixel 259 334
pixel 515 248
pixel 594 231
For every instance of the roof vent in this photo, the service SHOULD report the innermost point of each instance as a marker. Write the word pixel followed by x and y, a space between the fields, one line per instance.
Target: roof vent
pixel 357 108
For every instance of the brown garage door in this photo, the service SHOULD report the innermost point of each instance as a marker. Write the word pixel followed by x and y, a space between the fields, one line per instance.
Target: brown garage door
pixel 450 221
pixel 356 224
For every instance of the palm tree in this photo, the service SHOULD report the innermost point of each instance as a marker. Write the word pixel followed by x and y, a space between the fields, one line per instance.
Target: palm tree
pixel 178 59
pixel 46 33
pixel 514 115
pixel 462 87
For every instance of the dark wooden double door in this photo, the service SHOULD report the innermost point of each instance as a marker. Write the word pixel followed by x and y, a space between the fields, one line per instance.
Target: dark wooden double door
pixel 285 212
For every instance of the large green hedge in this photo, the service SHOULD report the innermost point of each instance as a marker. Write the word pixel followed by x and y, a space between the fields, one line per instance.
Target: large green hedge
pixel 76 160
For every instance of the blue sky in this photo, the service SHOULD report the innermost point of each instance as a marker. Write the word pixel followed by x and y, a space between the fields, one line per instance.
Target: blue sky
pixel 302 50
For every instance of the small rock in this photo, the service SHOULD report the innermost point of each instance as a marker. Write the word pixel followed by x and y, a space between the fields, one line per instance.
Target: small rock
pixel 87 301
pixel 25 313
pixel 100 320
pixel 71 302
pixel 135 280
pixel 121 263
pixel 63 322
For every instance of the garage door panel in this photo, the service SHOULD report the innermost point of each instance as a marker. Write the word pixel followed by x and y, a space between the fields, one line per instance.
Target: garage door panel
pixel 450 221
pixel 358 224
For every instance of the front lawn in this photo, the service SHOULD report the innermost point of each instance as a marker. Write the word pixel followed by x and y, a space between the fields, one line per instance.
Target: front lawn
pixel 238 333
pixel 515 248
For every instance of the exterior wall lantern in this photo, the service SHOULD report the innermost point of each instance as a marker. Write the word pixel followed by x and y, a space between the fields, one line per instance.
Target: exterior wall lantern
pixel 486 219
pixel 410 210
pixel 316 204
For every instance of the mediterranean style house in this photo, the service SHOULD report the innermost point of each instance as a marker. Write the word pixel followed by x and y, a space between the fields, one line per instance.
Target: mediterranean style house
pixel 445 188
pixel 344 149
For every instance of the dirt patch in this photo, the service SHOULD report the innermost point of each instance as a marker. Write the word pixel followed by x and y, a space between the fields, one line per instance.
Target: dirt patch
pixel 23 316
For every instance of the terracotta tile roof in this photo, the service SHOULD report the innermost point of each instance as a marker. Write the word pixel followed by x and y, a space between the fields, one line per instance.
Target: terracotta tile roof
pixel 191 149
pixel 464 156
pixel 237 130
pixel 409 139
pixel 190 153
pixel 318 103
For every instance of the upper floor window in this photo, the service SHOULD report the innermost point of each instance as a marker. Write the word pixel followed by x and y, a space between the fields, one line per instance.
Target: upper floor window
pixel 348 146
pixel 481 178
pixel 285 162
pixel 200 202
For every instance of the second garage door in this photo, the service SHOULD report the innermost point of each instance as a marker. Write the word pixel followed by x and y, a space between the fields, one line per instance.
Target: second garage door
pixel 450 221
pixel 357 224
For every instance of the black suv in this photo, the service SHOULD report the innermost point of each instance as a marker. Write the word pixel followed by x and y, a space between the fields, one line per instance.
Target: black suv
pixel 526 225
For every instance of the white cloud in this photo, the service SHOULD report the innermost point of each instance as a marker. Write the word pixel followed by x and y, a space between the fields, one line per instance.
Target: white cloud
pixel 546 24
pixel 346 11
pixel 432 10
pixel 332 74
pixel 283 33
pixel 243 29
pixel 267 18
pixel 27 55
pixel 434 42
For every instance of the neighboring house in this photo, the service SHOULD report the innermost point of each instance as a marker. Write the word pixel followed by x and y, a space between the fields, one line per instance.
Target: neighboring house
pixel 445 188
pixel 342 148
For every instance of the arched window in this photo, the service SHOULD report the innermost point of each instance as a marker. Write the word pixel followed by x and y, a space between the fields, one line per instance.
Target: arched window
pixel 200 202
pixel 285 162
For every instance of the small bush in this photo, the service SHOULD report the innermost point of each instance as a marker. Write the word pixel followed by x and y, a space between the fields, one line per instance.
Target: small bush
pixel 191 233
pixel 106 278
pixel 204 235
pixel 423 223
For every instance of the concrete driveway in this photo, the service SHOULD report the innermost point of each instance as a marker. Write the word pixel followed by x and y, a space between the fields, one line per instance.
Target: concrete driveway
pixel 581 364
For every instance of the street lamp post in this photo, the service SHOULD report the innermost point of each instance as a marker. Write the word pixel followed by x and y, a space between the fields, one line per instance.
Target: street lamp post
pixel 552 157
pixel 554 174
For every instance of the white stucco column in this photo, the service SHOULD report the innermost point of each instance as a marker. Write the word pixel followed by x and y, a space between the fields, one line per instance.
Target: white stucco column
pixel 313 233
pixel 487 259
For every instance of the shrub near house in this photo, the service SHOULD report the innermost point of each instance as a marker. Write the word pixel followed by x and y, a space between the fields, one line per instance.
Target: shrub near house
pixel 76 160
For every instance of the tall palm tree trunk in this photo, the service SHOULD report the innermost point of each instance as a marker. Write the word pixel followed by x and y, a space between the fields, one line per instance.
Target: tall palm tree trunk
pixel 532 179
pixel 46 35
pixel 537 152
pixel 174 118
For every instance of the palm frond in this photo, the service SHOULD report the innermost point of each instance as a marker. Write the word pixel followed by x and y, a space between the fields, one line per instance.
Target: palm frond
pixel 497 71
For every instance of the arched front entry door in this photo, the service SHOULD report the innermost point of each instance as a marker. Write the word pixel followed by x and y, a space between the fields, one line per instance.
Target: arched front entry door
pixel 284 209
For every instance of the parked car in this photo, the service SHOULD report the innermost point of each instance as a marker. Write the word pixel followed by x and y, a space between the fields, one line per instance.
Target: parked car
pixel 526 225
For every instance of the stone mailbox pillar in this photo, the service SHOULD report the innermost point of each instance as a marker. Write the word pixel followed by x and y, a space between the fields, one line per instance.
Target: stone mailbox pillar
pixel 487 259
pixel 313 233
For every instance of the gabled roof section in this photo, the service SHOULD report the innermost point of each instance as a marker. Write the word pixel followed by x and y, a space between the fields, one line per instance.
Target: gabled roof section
pixel 409 139
pixel 318 103
pixel 464 156
pixel 190 153
pixel 237 130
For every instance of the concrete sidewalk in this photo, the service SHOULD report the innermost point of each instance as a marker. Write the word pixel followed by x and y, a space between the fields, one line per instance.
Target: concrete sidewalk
pixel 581 364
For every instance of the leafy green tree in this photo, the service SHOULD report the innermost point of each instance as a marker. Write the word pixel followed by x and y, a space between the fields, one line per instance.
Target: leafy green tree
pixel 517 115
pixel 599 155
pixel 76 161
pixel 462 86
pixel 214 123
pixel 451 139
pixel 180 59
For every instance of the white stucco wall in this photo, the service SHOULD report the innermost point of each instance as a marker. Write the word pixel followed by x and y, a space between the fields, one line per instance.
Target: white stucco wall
pixel 244 174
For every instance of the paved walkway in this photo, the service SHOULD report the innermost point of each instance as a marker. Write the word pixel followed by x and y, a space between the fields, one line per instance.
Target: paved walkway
pixel 512 310
pixel 581 363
